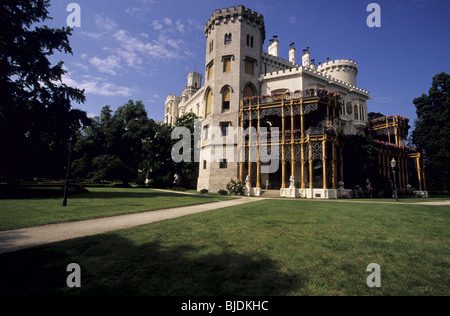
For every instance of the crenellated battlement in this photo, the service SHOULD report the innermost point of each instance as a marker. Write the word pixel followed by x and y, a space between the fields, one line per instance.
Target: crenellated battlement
pixel 300 69
pixel 341 69
pixel 172 97
pixel 339 64
pixel 232 14
pixel 275 59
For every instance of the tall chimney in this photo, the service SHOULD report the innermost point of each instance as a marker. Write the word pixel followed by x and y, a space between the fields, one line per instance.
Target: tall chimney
pixel 305 57
pixel 292 53
pixel 273 47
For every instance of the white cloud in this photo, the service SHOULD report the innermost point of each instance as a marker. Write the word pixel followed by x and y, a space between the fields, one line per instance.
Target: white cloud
pixel 104 23
pixel 163 48
pixel 98 86
pixel 140 11
pixel 130 58
pixel 108 65
pixel 157 25
pixel 81 66
pixel 125 50
pixel 167 21
pixel 180 26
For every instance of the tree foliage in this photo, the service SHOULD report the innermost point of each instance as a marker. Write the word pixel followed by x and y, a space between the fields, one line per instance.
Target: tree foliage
pixel 127 146
pixel 36 118
pixel 374 115
pixel 360 159
pixel 112 148
pixel 432 131
pixel 187 172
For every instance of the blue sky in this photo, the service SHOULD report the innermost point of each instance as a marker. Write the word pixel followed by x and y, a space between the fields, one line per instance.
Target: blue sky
pixel 144 49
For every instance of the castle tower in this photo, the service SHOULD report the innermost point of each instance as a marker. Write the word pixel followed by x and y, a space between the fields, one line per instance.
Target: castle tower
pixel 194 83
pixel 234 43
pixel 341 69
pixel 194 80
pixel 171 109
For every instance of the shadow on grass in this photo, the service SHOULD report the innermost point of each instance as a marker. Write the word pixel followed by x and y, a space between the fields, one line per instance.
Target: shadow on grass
pixel 112 265
pixel 24 192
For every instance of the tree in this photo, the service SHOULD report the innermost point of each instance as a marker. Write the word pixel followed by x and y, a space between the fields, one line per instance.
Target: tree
pixel 432 131
pixel 112 148
pixel 158 165
pixel 36 118
pixel 374 115
pixel 187 172
pixel 360 159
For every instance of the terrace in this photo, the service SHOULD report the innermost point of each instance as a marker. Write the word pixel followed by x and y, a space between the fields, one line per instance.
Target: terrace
pixel 305 126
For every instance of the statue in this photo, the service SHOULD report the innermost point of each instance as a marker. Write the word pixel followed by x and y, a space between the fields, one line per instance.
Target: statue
pixel 247 181
pixel 369 188
pixel 292 182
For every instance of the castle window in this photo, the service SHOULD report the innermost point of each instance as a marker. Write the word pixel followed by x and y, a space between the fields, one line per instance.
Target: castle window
pixel 209 70
pixel 226 96
pixel 224 127
pixel 227 64
pixel 211 46
pixel 249 40
pixel 228 39
pixel 249 66
pixel 204 164
pixel 249 91
pixel 208 102
pixel 206 130
pixel 223 164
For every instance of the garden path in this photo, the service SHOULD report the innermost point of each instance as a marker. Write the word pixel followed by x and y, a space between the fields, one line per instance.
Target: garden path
pixel 17 239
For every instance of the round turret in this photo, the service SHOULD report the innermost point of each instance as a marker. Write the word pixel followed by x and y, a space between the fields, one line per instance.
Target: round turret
pixel 340 69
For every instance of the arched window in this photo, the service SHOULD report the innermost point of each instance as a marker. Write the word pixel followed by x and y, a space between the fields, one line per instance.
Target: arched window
pixel 355 109
pixel 226 96
pixel 209 70
pixel 208 101
pixel 228 38
pixel 249 91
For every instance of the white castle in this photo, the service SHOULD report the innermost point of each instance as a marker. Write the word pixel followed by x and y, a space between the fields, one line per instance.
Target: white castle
pixel 237 70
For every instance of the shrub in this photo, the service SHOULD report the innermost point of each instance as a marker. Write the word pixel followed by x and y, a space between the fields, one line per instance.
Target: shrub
pixel 203 191
pixel 222 192
pixel 235 187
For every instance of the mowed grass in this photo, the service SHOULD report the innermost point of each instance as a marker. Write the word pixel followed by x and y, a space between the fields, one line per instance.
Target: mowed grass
pixel 269 247
pixel 98 202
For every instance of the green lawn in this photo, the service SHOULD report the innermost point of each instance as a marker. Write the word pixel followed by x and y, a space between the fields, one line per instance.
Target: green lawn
pixel 99 202
pixel 271 247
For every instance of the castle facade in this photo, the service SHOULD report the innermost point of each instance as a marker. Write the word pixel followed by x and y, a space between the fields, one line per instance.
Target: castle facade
pixel 302 107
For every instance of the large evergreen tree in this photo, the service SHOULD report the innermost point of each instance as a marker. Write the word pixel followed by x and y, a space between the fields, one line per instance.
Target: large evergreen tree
pixel 432 131
pixel 36 118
